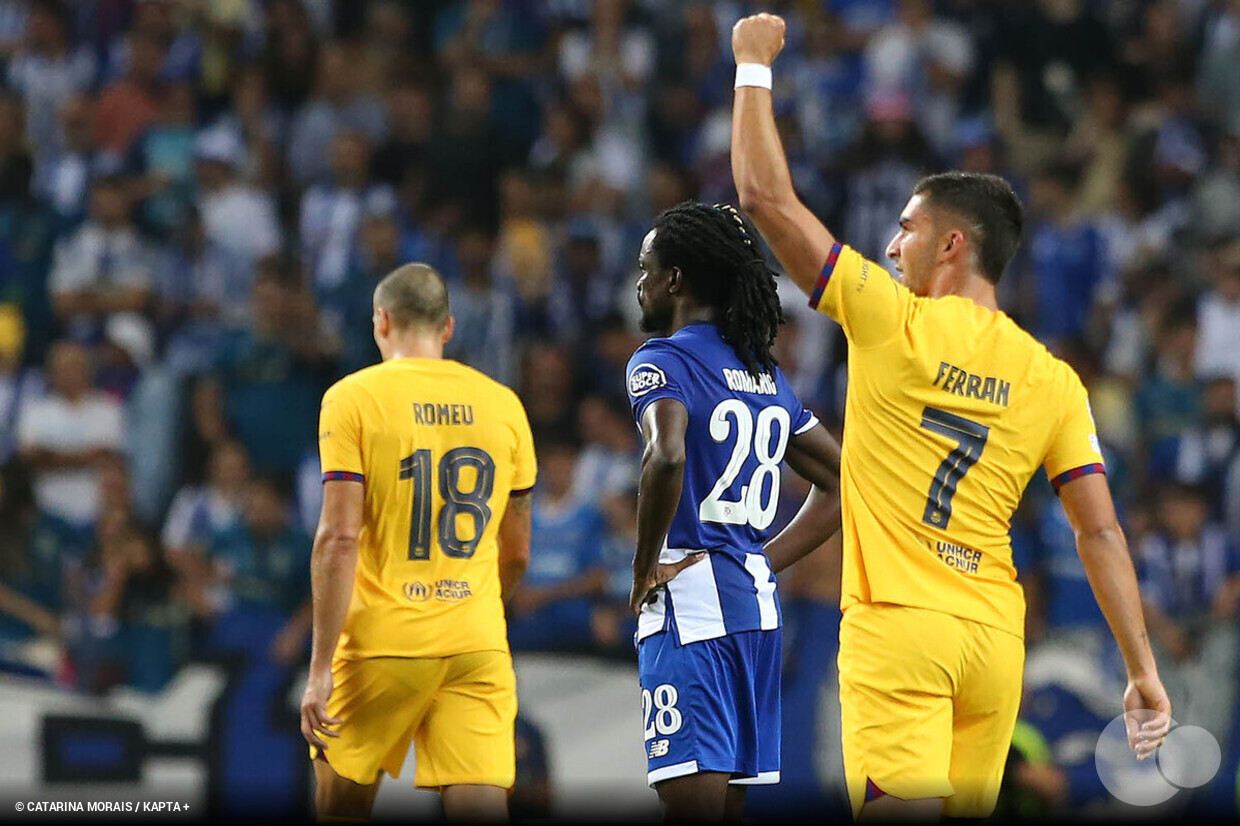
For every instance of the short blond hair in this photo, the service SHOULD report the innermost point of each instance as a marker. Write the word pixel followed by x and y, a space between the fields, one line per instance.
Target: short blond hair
pixel 414 295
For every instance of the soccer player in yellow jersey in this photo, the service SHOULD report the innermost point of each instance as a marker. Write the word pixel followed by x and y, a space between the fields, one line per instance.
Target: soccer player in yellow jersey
pixel 951 409
pixel 425 528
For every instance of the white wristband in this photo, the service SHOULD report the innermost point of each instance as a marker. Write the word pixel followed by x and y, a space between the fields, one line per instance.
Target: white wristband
pixel 753 74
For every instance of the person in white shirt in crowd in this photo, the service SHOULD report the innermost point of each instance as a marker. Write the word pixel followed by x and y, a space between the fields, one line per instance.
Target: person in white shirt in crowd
pixel 235 215
pixel 332 212
pixel 48 70
pixel 62 172
pixel 200 512
pixel 1218 319
pixel 104 269
pixel 66 434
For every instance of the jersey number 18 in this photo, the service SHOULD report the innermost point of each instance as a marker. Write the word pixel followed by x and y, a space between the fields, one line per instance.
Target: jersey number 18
pixel 472 503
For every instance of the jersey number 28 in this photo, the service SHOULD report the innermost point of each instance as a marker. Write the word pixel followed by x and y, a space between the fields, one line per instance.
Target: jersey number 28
pixel 773 423
pixel 456 502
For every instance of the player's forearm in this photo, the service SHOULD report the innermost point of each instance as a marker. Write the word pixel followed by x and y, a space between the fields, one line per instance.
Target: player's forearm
pixel 764 187
pixel 816 522
pixel 515 534
pixel 1104 554
pixel 658 497
pixel 759 166
pixel 332 566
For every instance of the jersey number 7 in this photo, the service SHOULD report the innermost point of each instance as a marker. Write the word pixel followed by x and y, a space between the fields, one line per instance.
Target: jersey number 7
pixel 971 441
pixel 473 503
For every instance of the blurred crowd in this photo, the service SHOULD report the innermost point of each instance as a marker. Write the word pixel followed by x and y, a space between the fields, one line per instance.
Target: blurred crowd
pixel 197 198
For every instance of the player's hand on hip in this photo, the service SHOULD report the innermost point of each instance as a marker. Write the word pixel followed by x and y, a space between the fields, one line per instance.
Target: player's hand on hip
pixel 662 573
pixel 314 717
pixel 1147 714
pixel 758 38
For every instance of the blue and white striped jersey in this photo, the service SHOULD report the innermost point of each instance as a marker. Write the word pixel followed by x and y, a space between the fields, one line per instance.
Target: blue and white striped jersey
pixel 738 430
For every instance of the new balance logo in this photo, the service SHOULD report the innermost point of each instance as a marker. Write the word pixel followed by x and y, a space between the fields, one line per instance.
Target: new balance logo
pixel 658 748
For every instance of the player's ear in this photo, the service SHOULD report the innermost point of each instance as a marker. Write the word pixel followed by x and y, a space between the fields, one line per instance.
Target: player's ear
pixel 448 327
pixel 953 245
pixel 674 280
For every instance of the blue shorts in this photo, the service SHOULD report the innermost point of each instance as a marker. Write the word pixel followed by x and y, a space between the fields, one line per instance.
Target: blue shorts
pixel 712 706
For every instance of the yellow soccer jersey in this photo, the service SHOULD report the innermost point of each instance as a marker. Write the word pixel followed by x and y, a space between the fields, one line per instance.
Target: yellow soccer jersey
pixel 439 447
pixel 951 410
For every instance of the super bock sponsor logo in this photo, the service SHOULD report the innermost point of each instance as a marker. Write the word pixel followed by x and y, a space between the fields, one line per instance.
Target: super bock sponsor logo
pixel 645 377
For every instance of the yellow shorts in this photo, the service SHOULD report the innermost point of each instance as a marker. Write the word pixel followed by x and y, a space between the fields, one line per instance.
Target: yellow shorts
pixel 458 711
pixel 929 702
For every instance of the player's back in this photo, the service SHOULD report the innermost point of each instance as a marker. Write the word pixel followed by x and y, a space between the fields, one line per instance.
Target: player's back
pixel 951 409
pixel 440 448
pixel 738 429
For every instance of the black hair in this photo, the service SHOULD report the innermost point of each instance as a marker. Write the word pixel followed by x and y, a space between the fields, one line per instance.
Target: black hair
pixel 987 203
pixel 716 249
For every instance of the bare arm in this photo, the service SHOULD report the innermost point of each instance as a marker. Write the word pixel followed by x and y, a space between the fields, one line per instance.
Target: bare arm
pixel 815 456
pixel 760 168
pixel 662 479
pixel 1104 553
pixel 333 563
pixel 514 542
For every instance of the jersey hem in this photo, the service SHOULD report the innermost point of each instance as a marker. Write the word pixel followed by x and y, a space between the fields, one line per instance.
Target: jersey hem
pixel 989 624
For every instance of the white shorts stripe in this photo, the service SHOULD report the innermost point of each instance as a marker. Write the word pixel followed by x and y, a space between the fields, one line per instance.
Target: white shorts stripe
pixel 760 570
pixel 668 772
pixel 763 779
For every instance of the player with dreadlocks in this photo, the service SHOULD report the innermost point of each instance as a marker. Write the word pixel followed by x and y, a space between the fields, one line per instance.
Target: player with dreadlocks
pixel 717 417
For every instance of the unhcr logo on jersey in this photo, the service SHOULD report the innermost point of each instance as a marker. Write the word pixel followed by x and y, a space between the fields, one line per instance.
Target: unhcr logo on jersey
pixel 452 590
pixel 417 592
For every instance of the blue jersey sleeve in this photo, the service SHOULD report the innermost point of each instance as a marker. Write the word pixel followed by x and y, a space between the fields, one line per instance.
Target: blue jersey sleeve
pixel 655 372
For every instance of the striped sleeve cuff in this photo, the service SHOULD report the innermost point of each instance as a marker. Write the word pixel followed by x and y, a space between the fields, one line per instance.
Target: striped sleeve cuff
pixel 1076 473
pixel 520 491
pixel 343 476
pixel 815 298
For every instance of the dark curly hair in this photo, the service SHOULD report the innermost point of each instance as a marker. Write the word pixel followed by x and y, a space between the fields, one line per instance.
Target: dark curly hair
pixel 718 251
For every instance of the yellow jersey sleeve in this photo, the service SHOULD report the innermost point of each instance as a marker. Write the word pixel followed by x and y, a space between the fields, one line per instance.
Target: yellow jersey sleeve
pixel 340 435
pixel 862 296
pixel 1074 450
pixel 524 465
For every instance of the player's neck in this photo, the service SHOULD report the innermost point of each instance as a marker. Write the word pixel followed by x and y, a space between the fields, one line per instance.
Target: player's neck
pixel 683 316
pixel 415 347
pixel 966 285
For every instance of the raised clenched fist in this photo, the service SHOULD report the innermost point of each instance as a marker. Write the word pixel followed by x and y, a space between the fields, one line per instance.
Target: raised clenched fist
pixel 758 38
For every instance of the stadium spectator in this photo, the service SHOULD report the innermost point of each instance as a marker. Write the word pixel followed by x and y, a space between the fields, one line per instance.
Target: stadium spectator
pixel 1191 588
pixel 131 103
pixel 1169 400
pixel 104 269
pixel 198 513
pixel 118 624
pixel 484 308
pixel 48 69
pixel 1218 317
pixel 259 580
pixel 332 212
pixel 236 216
pixel 33 549
pixel 274 363
pixel 63 173
pixel 203 291
pixel 163 159
pixel 552 608
pixel 346 309
pixel 1069 256
pixel 611 454
pixel 339 104
pixel 612 624
pixel 65 435
pixel 16 380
